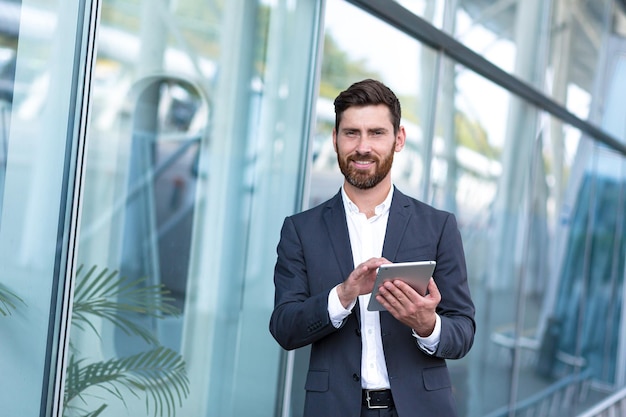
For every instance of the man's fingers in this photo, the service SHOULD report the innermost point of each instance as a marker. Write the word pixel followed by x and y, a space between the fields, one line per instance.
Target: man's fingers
pixel 401 290
pixel 433 290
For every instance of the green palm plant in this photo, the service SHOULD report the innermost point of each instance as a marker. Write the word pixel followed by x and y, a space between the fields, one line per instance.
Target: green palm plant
pixel 157 374
pixel 8 300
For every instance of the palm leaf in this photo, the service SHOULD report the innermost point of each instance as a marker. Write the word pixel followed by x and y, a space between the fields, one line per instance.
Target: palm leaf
pixel 113 298
pixel 158 375
pixel 97 412
pixel 8 300
pixel 76 410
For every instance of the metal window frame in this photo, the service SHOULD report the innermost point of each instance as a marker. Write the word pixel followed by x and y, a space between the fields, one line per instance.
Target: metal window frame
pixel 57 351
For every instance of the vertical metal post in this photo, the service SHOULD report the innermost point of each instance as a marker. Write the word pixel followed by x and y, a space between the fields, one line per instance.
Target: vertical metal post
pixel 89 11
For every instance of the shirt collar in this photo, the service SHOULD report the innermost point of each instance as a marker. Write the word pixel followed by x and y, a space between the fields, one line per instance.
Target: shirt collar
pixel 382 208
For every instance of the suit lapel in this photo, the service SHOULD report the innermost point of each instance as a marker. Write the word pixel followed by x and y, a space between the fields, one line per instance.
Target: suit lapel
pixel 337 229
pixel 339 237
pixel 399 216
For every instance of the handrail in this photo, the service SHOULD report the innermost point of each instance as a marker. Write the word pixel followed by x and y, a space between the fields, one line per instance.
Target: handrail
pixel 564 393
pixel 615 405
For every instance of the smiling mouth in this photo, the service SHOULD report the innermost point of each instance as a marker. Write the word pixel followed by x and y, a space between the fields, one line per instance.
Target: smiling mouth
pixel 362 164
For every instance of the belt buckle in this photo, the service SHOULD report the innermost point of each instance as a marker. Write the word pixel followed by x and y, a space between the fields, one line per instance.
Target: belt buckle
pixel 368 398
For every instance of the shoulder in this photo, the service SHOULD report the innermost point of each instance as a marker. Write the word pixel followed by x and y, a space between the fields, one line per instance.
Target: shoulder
pixel 330 205
pixel 317 220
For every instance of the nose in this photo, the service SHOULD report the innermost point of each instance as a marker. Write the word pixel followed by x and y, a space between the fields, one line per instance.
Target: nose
pixel 364 146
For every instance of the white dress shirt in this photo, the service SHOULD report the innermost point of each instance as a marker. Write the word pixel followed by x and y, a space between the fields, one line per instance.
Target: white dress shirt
pixel 366 239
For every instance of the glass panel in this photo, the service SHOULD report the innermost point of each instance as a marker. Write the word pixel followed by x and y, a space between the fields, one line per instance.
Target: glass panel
pixel 198 130
pixel 503 169
pixel 592 273
pixel 591 270
pixel 40 63
pixel 539 277
pixel 544 371
pixel 479 172
pixel 511 175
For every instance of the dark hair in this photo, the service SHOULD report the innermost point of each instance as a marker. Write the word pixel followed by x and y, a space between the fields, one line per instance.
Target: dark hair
pixel 365 93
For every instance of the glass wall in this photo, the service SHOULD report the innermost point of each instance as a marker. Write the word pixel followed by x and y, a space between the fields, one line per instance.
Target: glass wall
pixel 197 145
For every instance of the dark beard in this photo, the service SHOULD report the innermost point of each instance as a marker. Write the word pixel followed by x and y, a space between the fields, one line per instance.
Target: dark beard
pixel 361 179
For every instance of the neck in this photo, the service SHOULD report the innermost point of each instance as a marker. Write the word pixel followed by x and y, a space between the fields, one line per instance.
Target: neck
pixel 367 200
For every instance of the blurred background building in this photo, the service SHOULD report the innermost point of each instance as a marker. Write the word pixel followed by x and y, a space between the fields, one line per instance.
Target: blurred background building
pixel 150 150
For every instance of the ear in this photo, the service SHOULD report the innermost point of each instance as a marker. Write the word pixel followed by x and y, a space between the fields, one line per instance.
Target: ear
pixel 400 139
pixel 335 139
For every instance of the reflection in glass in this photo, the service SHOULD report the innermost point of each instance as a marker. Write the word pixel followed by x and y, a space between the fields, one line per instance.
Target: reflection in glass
pixel 145 294
pixel 160 199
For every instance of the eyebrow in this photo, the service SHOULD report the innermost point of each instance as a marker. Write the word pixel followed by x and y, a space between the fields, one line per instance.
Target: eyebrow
pixel 369 130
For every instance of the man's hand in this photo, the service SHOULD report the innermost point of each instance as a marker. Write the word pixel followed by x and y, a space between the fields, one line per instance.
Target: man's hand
pixel 409 307
pixel 360 281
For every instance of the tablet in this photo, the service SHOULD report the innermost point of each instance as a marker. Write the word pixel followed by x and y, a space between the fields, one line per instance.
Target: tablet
pixel 416 274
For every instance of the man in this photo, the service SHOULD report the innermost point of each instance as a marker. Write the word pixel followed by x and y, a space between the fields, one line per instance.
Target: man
pixel 366 363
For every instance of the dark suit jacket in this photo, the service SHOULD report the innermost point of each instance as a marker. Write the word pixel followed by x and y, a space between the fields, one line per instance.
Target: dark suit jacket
pixel 314 255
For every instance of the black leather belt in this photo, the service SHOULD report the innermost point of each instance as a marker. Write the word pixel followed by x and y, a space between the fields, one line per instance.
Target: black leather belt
pixel 377 398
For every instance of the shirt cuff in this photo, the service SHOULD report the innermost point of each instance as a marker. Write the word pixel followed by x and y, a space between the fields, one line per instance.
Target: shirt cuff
pixel 430 343
pixel 336 312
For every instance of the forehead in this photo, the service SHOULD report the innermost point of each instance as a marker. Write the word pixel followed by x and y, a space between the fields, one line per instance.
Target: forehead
pixel 366 116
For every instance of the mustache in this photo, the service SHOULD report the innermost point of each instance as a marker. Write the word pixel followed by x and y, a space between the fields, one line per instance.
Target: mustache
pixel 360 155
